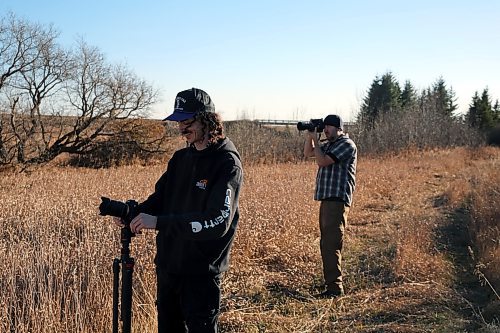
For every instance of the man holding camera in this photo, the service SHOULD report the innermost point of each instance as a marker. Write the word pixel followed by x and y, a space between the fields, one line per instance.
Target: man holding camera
pixel 335 183
pixel 195 210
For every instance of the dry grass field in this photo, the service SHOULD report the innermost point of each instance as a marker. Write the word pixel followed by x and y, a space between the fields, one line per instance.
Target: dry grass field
pixel 421 255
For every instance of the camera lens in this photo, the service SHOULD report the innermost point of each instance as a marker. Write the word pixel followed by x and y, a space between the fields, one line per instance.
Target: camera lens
pixel 113 208
pixel 302 126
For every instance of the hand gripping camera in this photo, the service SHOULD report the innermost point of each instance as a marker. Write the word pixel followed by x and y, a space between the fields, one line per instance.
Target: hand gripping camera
pixel 312 125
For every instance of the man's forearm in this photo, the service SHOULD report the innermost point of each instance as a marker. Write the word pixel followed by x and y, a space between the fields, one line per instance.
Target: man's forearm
pixel 308 148
pixel 322 159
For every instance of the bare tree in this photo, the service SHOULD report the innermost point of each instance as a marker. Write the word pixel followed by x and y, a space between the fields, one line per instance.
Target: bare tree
pixel 106 101
pixel 25 51
pixel 20 45
pixel 34 86
pixel 55 101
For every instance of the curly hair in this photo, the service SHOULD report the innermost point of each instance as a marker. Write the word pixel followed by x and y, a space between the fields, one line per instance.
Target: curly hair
pixel 212 123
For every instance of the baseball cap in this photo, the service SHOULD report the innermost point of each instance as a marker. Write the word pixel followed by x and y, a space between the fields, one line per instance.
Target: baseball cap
pixel 334 120
pixel 190 102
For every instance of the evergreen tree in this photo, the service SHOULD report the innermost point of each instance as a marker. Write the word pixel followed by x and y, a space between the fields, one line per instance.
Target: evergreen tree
pixel 408 95
pixel 383 97
pixel 496 113
pixel 472 116
pixel 487 110
pixel 481 114
pixel 443 98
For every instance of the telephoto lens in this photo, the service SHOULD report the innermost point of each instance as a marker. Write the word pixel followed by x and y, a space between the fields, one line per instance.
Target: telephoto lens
pixel 113 208
pixel 312 125
pixel 126 211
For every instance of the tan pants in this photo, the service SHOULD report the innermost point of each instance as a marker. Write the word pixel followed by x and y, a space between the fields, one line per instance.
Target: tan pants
pixel 332 222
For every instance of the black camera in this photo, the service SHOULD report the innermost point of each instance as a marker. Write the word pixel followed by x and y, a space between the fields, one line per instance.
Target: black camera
pixel 312 125
pixel 125 210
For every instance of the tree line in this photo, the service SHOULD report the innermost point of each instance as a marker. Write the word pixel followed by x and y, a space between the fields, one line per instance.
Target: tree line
pixel 394 118
pixel 56 100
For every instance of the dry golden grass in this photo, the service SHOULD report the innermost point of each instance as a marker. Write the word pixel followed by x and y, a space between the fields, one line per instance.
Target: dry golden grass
pixel 484 230
pixel 404 261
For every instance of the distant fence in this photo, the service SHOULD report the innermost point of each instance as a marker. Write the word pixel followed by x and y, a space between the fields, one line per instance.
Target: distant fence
pixel 276 122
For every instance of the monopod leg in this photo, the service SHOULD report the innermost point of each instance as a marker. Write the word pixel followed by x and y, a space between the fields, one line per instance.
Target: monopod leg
pixel 116 278
pixel 126 310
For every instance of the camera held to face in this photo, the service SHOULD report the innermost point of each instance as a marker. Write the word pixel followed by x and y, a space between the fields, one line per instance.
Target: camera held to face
pixel 312 125
pixel 125 210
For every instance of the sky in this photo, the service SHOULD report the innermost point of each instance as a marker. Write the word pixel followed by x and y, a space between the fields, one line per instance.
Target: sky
pixel 287 60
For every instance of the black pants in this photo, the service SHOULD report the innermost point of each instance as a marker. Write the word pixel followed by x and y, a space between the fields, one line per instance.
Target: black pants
pixel 187 303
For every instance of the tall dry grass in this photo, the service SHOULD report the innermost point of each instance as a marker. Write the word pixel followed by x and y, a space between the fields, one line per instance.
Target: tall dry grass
pixel 57 253
pixel 484 228
pixel 402 271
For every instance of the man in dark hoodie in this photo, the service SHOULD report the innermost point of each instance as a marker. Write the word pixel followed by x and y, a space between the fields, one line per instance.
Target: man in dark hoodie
pixel 194 208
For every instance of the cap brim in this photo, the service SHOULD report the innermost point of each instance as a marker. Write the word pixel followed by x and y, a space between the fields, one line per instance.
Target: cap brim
pixel 179 116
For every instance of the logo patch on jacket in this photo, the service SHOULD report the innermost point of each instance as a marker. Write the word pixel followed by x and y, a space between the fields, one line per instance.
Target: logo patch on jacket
pixel 202 184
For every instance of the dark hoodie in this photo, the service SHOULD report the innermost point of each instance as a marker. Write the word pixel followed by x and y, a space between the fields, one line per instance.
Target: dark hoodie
pixel 196 202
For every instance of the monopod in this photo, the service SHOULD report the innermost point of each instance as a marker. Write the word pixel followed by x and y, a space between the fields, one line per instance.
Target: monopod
pixel 126 264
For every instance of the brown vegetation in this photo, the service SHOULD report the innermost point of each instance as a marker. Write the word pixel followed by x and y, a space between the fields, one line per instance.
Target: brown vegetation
pixel 422 233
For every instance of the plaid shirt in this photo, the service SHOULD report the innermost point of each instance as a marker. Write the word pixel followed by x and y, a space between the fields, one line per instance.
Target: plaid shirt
pixel 338 180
